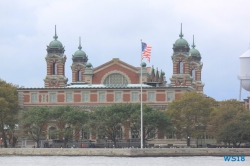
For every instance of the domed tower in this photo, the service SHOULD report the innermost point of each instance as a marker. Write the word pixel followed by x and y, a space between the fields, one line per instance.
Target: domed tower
pixel 79 63
pixel 181 75
pixel 55 60
pixel 195 67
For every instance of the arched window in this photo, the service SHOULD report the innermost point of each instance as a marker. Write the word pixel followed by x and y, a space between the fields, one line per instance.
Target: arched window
pixel 180 67
pixel 79 75
pixel 52 133
pixel 115 78
pixel 193 74
pixel 54 68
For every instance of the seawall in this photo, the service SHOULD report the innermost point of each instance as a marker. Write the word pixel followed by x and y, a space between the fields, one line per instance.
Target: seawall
pixel 153 152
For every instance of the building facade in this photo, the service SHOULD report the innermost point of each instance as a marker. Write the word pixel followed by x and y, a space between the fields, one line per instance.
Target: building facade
pixel 113 82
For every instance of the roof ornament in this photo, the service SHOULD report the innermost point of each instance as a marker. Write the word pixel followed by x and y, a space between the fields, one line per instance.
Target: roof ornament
pixel 181 35
pixel 193 43
pixel 80 47
pixel 55 37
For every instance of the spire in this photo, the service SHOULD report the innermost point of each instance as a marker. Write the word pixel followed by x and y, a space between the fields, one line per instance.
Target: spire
pixel 181 35
pixel 80 47
pixel 55 37
pixel 193 42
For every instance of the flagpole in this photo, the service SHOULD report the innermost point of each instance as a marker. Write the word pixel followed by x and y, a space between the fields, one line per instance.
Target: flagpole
pixel 141 103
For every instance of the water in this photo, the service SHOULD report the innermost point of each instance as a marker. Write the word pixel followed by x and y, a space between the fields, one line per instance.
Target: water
pixel 117 161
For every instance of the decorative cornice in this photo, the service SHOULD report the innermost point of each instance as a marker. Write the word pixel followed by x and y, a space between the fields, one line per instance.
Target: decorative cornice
pixel 56 58
pixel 78 66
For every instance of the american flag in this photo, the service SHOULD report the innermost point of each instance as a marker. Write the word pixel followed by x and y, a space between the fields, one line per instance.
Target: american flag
pixel 146 51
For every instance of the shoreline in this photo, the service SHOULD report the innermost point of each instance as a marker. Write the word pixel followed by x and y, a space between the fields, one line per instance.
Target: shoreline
pixel 152 152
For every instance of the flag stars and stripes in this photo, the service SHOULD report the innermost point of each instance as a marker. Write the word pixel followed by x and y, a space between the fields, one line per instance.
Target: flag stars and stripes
pixel 146 51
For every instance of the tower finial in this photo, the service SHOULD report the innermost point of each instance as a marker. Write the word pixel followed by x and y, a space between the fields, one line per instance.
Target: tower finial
pixel 181 35
pixel 193 42
pixel 55 37
pixel 80 47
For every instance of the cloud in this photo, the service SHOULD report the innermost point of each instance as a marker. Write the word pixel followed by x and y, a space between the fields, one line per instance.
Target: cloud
pixel 113 28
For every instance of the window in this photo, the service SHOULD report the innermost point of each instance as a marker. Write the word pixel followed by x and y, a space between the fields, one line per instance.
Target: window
pixel 119 133
pixel 79 76
pixel 85 135
pixel 52 97
pixel 85 97
pixel 52 133
pixel 180 67
pixel 193 74
pixel 151 96
pixel 170 96
pixel 134 134
pixel 34 97
pixel 134 96
pixel 43 98
pixel 69 97
pixel 54 68
pixel 118 96
pixel 101 96
pixel 115 78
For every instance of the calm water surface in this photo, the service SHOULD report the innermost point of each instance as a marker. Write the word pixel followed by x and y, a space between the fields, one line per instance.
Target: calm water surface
pixel 117 161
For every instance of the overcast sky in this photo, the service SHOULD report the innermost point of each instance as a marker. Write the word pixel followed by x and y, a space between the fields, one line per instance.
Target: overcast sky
pixel 113 29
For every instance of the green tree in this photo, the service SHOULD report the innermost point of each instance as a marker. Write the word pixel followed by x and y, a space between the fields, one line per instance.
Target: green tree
pixel 230 123
pixel 8 107
pixel 82 121
pixel 12 131
pixel 154 122
pixel 108 121
pixel 33 122
pixel 68 120
pixel 190 113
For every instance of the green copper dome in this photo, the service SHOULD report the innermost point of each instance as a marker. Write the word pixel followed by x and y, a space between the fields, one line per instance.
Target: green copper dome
pixel 79 54
pixel 194 52
pixel 88 65
pixel 181 45
pixel 55 43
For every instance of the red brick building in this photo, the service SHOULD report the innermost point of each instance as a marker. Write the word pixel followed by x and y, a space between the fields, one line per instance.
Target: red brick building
pixel 114 81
